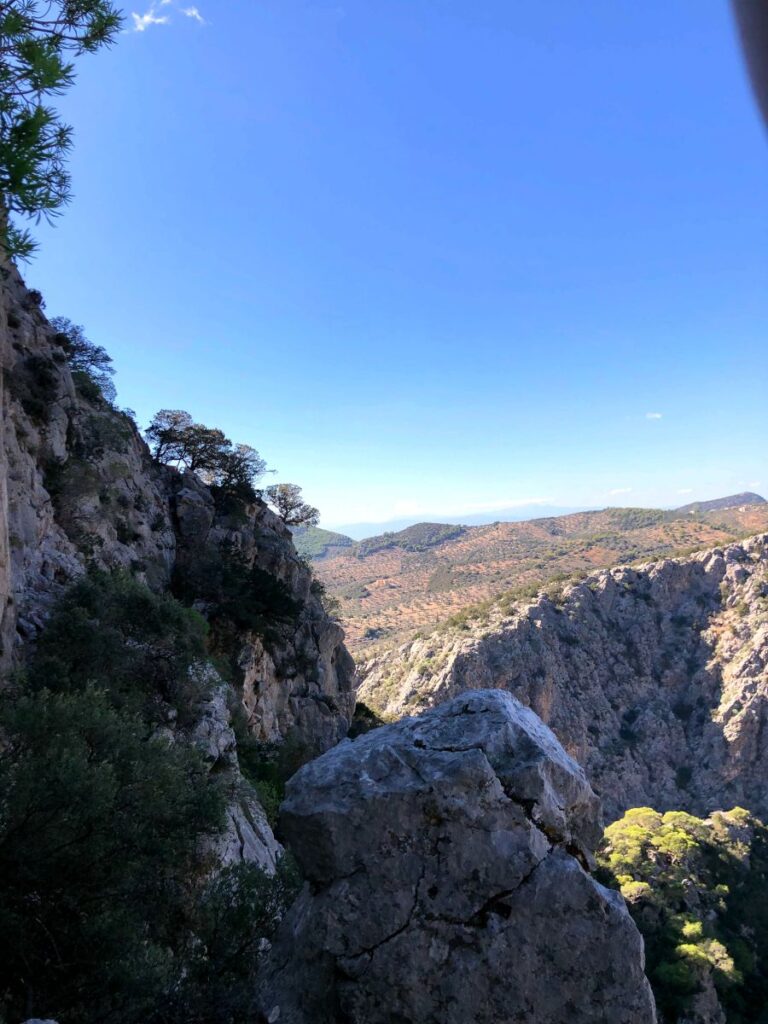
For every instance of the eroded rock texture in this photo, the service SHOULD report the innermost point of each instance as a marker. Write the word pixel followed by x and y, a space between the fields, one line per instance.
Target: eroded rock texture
pixel 446 863
pixel 654 678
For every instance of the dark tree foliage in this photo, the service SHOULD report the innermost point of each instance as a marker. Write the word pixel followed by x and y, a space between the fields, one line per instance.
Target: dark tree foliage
pixel 293 510
pixel 112 632
pixel 176 439
pixel 90 363
pixel 108 908
pixel 238 597
pixel 99 839
pixel 238 909
pixel 38 39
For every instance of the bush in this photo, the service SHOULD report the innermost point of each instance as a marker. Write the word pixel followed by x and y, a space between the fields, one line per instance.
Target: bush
pixel 108 909
pixel 238 597
pixel 34 383
pixel 99 840
pixel 114 633
pixel 698 890
pixel 238 909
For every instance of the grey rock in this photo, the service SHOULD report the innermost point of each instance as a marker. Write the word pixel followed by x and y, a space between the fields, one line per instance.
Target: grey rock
pixel 445 858
pixel 247 835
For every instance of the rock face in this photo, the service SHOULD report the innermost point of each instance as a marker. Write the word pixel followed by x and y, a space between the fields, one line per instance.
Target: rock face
pixel 78 488
pixel 655 679
pixel 445 858
pixel 247 835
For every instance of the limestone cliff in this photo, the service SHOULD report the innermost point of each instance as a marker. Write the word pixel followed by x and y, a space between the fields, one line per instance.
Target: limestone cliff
pixel 653 678
pixel 78 488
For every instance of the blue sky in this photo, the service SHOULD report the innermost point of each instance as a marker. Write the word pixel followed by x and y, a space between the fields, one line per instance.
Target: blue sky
pixel 431 256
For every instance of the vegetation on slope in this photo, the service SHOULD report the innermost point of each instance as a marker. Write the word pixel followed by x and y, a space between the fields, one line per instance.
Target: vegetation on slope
pixel 108 909
pixel 315 542
pixel 395 590
pixel 698 891
pixel 420 537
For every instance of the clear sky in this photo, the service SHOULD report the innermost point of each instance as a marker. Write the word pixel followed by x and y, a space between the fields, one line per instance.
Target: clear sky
pixel 431 255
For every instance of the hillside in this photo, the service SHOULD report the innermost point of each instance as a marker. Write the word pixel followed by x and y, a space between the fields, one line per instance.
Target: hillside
pixel 314 542
pixel 391 586
pixel 654 678
pixel 716 504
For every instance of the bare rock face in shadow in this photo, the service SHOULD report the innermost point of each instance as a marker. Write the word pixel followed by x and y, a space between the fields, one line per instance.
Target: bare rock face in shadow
pixel 447 859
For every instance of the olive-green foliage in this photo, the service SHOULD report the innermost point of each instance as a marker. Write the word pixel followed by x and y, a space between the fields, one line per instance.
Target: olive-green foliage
pixel 364 720
pixel 267 766
pixel 236 910
pixel 635 518
pixel 36 39
pixel 112 632
pixel 698 890
pixel 99 838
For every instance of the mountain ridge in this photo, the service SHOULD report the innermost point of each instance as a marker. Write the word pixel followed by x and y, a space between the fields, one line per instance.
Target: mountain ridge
pixel 392 585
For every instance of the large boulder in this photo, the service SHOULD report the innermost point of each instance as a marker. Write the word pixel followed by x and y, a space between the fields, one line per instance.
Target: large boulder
pixel 447 859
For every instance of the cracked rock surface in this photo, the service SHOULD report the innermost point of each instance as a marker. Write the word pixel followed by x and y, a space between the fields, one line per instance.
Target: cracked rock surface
pixel 445 858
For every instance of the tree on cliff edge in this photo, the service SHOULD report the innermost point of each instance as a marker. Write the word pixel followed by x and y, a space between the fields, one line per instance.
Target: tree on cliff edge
pixel 287 501
pixel 38 38
pixel 176 439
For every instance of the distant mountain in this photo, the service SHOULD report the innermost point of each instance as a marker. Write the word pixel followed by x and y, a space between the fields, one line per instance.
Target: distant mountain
pixel 732 501
pixel 362 531
pixel 391 585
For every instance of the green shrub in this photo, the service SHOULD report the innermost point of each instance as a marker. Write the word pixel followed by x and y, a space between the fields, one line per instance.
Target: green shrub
pixel 238 597
pixel 698 890
pixel 112 632
pixel 99 840
pixel 34 383
pixel 237 910
pixel 108 910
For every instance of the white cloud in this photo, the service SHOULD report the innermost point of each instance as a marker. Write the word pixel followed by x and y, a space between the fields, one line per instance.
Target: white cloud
pixel 654 415
pixel 141 22
pixel 685 490
pixel 194 13
pixel 621 490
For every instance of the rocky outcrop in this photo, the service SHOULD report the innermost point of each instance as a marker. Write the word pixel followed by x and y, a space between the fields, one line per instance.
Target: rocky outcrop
pixel 78 488
pixel 298 686
pixel 447 864
pixel 654 678
pixel 247 835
